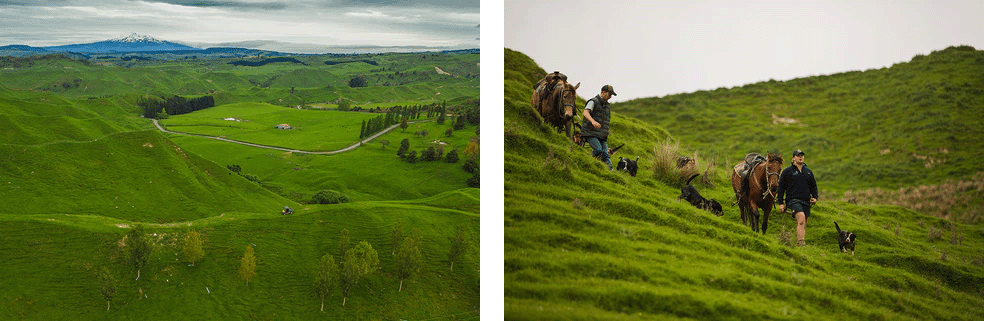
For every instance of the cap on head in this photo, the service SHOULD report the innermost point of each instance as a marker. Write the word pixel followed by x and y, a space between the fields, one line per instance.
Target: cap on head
pixel 609 89
pixel 798 152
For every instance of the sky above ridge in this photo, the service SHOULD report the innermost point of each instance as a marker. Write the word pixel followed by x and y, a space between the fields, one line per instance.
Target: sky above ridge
pixel 656 48
pixel 432 23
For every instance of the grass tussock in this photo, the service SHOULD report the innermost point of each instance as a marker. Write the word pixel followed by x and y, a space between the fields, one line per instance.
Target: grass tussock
pixel 956 200
pixel 671 167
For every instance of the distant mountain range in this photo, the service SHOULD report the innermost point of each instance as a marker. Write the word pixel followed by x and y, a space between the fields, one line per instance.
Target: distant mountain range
pixel 136 43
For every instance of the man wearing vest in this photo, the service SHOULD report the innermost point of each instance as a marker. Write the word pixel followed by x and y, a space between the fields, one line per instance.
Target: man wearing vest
pixel 597 116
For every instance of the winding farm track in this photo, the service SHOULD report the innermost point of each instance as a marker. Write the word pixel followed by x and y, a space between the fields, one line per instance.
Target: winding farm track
pixel 349 148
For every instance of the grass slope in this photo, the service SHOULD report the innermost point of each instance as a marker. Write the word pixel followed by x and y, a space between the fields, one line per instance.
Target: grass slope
pixel 79 168
pixel 914 123
pixel 584 243
pixel 56 258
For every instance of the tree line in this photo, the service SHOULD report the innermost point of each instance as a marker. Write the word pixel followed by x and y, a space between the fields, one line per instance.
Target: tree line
pixel 334 274
pixel 399 114
pixel 160 108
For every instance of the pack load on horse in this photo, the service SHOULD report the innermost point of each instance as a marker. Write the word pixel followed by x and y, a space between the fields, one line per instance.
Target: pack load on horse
pixel 287 211
pixel 755 181
pixel 553 97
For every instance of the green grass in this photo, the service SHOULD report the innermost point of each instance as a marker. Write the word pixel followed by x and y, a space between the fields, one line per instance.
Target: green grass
pixel 311 130
pixel 79 168
pixel 584 243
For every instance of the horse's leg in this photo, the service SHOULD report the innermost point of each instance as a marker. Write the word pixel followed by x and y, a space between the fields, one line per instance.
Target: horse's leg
pixel 755 218
pixel 765 218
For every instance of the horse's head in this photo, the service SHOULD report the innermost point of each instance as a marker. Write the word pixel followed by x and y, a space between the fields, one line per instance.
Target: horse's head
pixel 773 168
pixel 566 98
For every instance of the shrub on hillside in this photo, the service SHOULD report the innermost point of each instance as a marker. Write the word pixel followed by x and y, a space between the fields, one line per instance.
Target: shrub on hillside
pixel 665 161
pixel 474 180
pixel 471 165
pixel 404 147
pixel 359 81
pixel 329 197
pixel 452 156
pixel 412 157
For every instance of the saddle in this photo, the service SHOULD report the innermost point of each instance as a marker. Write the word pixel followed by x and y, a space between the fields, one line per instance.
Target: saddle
pixel 743 168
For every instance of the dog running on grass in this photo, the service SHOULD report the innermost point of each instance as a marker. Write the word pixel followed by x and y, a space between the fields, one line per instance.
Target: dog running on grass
pixel 845 239
pixel 690 193
pixel 631 166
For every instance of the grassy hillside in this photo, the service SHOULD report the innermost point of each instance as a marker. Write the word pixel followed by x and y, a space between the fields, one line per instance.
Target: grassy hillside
pixel 80 169
pixel 914 123
pixel 582 242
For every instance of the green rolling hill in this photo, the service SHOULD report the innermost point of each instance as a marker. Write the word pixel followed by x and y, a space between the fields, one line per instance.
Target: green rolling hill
pixel 80 169
pixel 584 243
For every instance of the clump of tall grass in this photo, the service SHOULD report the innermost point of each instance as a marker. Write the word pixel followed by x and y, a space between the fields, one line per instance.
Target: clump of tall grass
pixel 957 200
pixel 666 165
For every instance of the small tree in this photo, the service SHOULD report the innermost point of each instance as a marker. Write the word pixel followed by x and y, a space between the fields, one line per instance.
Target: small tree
pixel 471 165
pixel 343 244
pixel 360 261
pixel 404 125
pixel 247 267
pixel 327 278
pixel 192 247
pixel 408 259
pixel 452 156
pixel 344 105
pixel 397 235
pixel 459 245
pixel 139 248
pixel 441 118
pixel 385 143
pixel 235 168
pixel 459 123
pixel 329 197
pixel 412 157
pixel 404 147
pixel 428 154
pixel 474 181
pixel 448 132
pixel 107 285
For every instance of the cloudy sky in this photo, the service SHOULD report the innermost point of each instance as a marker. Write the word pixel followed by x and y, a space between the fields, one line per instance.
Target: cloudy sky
pixel 655 48
pixel 433 23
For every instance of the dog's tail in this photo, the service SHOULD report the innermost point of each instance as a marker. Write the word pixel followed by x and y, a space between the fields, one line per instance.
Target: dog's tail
pixel 615 150
pixel 691 178
pixel 838 227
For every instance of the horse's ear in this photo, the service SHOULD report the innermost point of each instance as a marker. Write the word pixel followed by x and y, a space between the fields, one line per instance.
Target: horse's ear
pixel 578 85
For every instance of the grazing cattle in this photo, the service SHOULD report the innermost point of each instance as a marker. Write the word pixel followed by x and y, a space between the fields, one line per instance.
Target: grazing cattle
pixel 757 189
pixel 553 97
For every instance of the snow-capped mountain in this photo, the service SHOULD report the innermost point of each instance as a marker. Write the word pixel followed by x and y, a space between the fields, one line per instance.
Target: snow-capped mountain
pixel 132 43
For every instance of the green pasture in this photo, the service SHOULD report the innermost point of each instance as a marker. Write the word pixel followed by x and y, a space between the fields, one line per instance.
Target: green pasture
pixel 80 168
pixel 57 258
pixel 585 243
pixel 298 176
pixel 312 130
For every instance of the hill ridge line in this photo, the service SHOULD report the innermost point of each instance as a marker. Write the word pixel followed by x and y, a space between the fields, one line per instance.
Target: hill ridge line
pixel 346 149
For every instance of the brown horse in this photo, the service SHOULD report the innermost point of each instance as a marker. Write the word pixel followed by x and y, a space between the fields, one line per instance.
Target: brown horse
pixel 761 187
pixel 553 97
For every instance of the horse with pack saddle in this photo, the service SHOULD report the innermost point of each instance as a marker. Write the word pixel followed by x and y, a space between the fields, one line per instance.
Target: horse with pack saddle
pixel 554 98
pixel 755 181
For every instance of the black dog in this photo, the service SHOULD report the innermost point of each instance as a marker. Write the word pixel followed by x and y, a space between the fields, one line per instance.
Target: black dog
pixel 690 193
pixel 625 164
pixel 845 239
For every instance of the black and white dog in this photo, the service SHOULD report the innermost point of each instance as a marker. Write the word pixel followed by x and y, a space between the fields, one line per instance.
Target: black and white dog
pixel 690 193
pixel 845 239
pixel 625 164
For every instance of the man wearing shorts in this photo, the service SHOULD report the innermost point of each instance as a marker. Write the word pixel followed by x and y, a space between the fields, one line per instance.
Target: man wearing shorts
pixel 798 188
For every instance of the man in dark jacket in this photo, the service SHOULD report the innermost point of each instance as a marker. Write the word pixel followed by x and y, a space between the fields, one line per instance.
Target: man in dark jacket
pixel 597 116
pixel 799 187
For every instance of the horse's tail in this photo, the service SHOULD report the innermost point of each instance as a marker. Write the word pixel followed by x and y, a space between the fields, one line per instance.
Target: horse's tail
pixel 691 177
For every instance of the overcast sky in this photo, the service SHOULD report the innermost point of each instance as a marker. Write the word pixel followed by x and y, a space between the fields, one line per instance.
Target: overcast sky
pixel 435 23
pixel 655 48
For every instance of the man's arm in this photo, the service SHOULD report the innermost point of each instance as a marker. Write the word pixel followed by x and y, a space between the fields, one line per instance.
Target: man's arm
pixel 587 114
